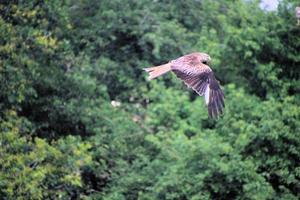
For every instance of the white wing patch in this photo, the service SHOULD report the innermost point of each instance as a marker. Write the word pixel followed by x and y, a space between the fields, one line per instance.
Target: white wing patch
pixel 207 91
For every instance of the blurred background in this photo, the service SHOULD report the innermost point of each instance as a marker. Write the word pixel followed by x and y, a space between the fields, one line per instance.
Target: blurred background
pixel 79 120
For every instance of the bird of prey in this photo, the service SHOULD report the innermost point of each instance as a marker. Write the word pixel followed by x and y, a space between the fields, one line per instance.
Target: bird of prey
pixel 193 69
pixel 298 15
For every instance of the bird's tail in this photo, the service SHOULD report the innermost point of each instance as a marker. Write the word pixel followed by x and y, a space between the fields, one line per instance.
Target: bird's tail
pixel 155 72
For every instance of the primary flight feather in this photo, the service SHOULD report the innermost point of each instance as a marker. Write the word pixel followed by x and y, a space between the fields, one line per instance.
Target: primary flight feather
pixel 193 69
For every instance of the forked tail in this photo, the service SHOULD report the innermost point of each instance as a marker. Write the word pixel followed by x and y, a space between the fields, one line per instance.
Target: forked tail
pixel 155 72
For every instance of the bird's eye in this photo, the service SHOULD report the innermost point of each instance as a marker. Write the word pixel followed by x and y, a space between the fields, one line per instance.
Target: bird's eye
pixel 204 62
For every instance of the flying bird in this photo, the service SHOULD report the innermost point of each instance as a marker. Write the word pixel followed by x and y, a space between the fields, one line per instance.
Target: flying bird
pixel 298 15
pixel 193 69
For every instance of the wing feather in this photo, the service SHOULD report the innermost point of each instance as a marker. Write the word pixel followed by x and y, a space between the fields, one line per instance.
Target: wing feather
pixel 216 101
pixel 193 75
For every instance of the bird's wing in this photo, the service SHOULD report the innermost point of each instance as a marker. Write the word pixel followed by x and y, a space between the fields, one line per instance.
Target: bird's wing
pixel 194 76
pixel 201 79
pixel 214 97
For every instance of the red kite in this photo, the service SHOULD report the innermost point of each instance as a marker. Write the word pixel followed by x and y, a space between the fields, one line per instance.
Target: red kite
pixel 193 69
pixel 298 15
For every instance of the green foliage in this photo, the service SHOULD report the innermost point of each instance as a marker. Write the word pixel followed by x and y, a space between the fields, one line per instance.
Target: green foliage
pixel 65 64
pixel 33 168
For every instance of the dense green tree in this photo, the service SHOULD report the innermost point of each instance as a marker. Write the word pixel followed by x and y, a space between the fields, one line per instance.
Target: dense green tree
pixel 32 168
pixel 62 63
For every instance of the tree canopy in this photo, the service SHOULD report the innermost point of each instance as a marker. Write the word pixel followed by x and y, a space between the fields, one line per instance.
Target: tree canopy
pixel 63 63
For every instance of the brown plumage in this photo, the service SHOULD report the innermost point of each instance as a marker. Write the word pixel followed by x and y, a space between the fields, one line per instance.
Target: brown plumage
pixel 196 74
pixel 298 15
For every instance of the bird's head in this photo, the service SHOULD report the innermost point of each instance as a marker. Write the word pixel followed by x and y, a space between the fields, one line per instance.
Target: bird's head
pixel 205 58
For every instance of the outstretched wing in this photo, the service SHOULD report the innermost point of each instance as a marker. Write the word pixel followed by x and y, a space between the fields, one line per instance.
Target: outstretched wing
pixel 200 78
pixel 194 74
pixel 214 98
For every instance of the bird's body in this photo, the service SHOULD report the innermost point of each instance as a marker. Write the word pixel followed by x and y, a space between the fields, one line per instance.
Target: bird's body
pixel 196 74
